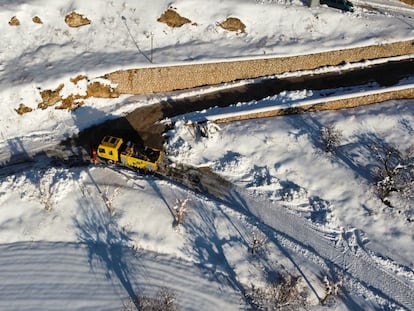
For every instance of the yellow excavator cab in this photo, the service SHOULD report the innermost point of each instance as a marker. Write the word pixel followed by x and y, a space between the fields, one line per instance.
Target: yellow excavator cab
pixel 109 148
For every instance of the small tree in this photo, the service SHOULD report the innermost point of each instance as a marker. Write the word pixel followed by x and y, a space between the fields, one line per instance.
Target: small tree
pixel 332 289
pixel 110 199
pixel 180 210
pixel 330 138
pixel 393 172
pixel 163 300
pixel 257 242
pixel 286 293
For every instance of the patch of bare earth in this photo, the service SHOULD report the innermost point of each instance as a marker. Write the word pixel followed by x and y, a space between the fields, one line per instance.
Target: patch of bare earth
pixel 14 21
pixel 233 24
pixel 37 20
pixel 410 2
pixel 76 20
pixel 78 78
pixel 23 109
pixel 53 98
pixel 50 97
pixel 173 19
pixel 96 89
pixel 71 102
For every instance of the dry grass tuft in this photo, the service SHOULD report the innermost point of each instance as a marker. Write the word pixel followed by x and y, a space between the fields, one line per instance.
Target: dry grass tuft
pixel 23 109
pixel 173 19
pixel 37 20
pixel 233 24
pixel 50 97
pixel 76 20
pixel 14 21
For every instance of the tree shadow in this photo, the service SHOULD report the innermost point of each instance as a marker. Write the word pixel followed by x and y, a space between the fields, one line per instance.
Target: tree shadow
pixel 241 204
pixel 209 248
pixel 106 244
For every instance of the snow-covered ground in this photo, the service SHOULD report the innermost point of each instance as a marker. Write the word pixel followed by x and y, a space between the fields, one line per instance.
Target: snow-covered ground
pixel 92 238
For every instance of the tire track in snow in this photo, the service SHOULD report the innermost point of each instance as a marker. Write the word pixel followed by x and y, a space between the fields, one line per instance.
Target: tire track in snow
pixel 330 246
pixel 352 260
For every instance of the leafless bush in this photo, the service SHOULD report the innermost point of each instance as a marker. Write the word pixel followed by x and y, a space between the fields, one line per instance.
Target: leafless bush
pixel 393 172
pixel 179 211
pixel 163 300
pixel 284 294
pixel 330 138
pixel 203 129
pixel 257 242
pixel 109 199
pixel 332 289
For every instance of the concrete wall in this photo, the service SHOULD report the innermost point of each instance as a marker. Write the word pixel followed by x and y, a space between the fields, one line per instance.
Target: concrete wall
pixel 169 78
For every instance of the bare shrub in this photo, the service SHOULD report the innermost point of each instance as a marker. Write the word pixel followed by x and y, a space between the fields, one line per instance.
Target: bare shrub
pixel 258 242
pixel 393 172
pixel 332 289
pixel 163 300
pixel 330 138
pixel 180 210
pixel 286 293
pixel 109 199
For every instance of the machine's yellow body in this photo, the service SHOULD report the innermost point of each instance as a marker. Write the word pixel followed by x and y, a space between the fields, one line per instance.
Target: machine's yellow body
pixel 113 149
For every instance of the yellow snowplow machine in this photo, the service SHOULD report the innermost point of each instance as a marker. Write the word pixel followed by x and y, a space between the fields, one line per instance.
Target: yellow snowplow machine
pixel 115 150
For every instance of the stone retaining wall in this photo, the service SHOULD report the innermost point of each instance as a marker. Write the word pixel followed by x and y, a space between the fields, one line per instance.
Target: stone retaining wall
pixel 169 78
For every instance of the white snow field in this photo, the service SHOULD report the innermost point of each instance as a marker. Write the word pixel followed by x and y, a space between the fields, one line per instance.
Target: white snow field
pixel 98 237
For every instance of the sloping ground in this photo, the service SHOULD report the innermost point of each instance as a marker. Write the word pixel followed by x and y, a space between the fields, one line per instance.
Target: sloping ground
pixel 331 247
pixel 164 79
pixel 341 102
pixel 66 276
pixel 351 259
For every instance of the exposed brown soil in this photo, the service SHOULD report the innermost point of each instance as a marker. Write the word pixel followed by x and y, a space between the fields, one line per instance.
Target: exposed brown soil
pixel 173 19
pixel 23 109
pixel 71 102
pixel 96 89
pixel 37 20
pixel 50 97
pixel 74 101
pixel 76 20
pixel 14 21
pixel 233 24
pixel 78 78
pixel 410 2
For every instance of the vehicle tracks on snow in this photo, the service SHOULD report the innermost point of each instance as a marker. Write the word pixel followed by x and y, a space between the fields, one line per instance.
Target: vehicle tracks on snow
pixel 334 248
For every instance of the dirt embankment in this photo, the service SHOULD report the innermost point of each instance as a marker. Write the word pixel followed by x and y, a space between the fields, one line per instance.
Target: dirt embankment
pixel 343 103
pixel 164 79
